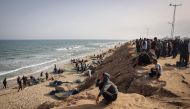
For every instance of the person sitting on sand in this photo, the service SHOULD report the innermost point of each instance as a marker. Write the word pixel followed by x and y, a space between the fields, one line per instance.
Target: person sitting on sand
pixel 143 59
pixel 19 83
pixel 157 70
pixel 5 83
pixel 107 89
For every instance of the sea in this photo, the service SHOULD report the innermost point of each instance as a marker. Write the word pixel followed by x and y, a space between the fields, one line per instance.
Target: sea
pixel 21 57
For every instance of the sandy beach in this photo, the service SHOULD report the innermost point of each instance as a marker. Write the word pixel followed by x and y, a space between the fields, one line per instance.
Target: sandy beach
pixel 146 94
pixel 135 94
pixel 33 96
pixel 94 54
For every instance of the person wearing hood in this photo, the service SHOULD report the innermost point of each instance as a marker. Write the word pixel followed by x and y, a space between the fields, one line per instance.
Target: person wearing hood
pixel 107 89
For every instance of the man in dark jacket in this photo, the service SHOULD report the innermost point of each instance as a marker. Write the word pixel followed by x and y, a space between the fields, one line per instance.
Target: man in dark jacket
pixel 107 89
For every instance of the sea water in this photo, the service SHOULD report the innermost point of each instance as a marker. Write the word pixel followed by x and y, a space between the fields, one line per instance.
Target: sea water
pixel 20 57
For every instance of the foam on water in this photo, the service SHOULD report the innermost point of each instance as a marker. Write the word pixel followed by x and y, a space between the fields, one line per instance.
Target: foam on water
pixel 34 65
pixel 69 48
pixel 33 55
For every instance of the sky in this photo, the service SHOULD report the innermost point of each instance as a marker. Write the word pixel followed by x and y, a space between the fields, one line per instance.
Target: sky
pixel 91 19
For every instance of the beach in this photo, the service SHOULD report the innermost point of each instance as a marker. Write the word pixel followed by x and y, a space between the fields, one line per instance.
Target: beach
pixel 33 96
pixel 135 92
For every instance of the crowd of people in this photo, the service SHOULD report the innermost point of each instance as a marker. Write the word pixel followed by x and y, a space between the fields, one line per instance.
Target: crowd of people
pixel 25 81
pixel 150 50
pixel 57 71
pixel 166 48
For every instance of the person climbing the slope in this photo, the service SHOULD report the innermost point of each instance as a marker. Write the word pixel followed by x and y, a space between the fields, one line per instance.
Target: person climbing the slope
pixel 107 89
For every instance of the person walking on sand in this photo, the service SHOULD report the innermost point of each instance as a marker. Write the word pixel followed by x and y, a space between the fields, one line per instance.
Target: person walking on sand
pixel 19 82
pixel 41 74
pixel 5 83
pixel 47 76
pixel 107 89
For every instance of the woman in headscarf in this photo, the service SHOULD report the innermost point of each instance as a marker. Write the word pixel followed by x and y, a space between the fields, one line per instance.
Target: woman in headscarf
pixel 107 89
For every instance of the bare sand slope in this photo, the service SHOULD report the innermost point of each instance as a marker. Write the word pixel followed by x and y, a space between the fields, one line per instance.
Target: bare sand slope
pixel 136 92
pixel 174 94
pixel 86 100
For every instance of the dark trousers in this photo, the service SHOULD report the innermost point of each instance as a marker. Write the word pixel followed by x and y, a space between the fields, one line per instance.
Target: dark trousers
pixel 152 73
pixel 157 52
pixel 5 85
pixel 174 53
pixel 184 58
pixel 109 98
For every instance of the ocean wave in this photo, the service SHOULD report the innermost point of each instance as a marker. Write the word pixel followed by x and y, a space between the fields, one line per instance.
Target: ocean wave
pixel 34 65
pixel 69 48
pixel 61 49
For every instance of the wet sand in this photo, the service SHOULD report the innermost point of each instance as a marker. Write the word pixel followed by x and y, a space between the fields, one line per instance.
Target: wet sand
pixel 33 96
pixel 147 94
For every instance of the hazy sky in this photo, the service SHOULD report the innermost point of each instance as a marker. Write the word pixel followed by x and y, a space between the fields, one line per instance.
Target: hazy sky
pixel 91 19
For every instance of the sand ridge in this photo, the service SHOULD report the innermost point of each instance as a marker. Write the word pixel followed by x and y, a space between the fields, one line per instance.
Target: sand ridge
pixel 174 95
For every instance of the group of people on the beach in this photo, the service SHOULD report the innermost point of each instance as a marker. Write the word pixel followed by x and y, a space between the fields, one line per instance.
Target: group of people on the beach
pixel 149 51
pixel 25 81
pixel 107 89
pixel 57 71
pixel 165 48
pixel 80 65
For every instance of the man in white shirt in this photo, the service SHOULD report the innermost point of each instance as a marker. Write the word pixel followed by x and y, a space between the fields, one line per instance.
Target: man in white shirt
pixel 157 70
pixel 144 45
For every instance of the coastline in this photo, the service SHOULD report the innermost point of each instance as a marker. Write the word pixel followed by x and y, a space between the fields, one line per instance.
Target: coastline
pixel 132 93
pixel 135 90
pixel 9 97
pixel 60 64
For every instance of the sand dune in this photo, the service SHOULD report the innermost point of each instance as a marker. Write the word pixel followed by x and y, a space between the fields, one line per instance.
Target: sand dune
pixel 172 91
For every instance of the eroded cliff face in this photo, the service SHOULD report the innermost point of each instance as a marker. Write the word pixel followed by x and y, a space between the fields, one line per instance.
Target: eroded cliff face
pixel 136 90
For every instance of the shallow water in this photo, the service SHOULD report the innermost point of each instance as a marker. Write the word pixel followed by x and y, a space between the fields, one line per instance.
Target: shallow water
pixel 19 57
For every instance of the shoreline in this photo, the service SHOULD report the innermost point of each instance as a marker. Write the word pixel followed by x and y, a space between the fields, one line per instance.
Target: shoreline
pixel 12 81
pixel 118 64
pixel 135 91
pixel 32 97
